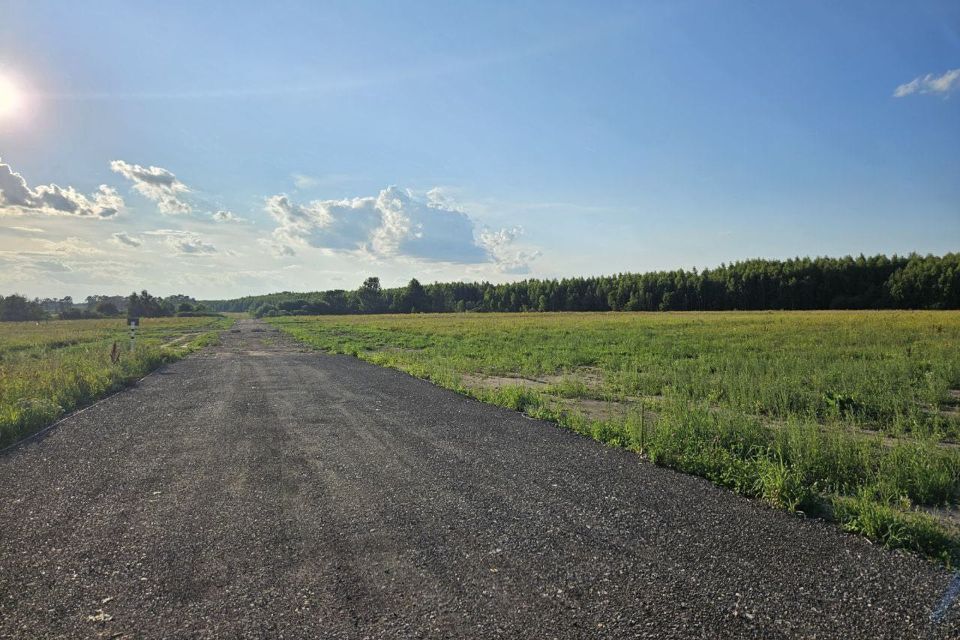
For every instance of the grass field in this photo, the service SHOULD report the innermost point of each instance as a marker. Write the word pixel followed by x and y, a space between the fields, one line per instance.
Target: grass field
pixel 851 416
pixel 50 368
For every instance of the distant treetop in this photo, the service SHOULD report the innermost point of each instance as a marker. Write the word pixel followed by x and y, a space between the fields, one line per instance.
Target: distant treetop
pixel 877 282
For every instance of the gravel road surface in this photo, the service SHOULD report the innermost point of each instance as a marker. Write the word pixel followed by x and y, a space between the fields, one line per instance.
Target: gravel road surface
pixel 259 490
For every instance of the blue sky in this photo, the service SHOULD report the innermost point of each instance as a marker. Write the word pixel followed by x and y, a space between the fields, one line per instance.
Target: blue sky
pixel 454 141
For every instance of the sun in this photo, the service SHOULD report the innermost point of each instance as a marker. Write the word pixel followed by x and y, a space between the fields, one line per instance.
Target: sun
pixel 10 98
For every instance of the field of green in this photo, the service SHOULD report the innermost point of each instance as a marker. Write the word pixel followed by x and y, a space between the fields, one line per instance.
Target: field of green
pixel 50 368
pixel 851 416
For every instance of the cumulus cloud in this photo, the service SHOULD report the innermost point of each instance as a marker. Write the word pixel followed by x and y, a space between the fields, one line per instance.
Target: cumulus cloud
pixel 439 197
pixel 395 223
pixel 225 216
pixel 342 225
pixel 183 242
pixel 930 83
pixel 500 245
pixel 125 239
pixel 17 197
pixel 430 230
pixel 157 184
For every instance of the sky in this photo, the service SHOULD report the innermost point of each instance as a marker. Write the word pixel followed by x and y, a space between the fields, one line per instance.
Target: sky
pixel 220 149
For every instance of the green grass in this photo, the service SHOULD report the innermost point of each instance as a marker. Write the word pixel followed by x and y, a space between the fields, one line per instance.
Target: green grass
pixel 50 368
pixel 846 415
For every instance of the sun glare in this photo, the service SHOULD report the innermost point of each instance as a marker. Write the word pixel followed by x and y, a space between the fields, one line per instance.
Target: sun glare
pixel 10 98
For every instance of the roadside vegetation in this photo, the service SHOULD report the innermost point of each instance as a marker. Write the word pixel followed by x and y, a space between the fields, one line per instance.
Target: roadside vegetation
pixel 851 416
pixel 48 368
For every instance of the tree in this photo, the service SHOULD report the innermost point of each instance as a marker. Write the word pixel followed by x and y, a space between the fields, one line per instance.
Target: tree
pixel 370 296
pixel 265 310
pixel 145 305
pixel 65 305
pixel 412 299
pixel 106 308
pixel 16 308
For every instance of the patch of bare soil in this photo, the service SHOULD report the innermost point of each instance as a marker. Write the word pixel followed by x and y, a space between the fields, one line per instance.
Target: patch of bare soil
pixel 589 377
pixel 180 340
pixel 599 409
pixel 606 410
pixel 590 408
pixel 475 381
pixel 949 516
pixel 951 408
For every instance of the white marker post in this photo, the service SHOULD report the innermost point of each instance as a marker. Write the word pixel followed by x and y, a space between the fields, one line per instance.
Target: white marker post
pixel 134 323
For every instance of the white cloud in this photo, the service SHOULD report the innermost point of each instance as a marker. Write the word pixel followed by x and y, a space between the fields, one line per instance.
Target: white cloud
pixel 304 182
pixel 50 266
pixel 125 239
pixel 184 242
pixel 157 184
pixel 277 248
pixel 63 275
pixel 67 248
pixel 930 83
pixel 340 225
pixel 393 228
pixel 71 246
pixel 440 198
pixel 394 224
pixel 509 258
pixel 16 197
pixel 225 216
pixel 425 229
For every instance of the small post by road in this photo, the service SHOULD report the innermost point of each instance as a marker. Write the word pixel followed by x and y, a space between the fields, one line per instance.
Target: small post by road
pixel 134 323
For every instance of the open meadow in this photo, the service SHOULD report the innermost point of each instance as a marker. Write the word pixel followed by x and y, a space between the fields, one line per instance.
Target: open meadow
pixel 49 368
pixel 852 416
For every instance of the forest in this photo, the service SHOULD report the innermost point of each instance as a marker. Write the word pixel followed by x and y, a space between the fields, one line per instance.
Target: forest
pixel 877 282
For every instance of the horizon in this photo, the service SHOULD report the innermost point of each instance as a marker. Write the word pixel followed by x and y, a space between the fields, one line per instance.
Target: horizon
pixel 400 285
pixel 183 151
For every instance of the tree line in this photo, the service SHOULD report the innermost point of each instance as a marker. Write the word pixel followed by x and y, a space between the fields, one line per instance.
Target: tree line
pixel 144 305
pixel 16 307
pixel 877 282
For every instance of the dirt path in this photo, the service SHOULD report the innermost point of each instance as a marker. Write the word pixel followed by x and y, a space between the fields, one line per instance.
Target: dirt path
pixel 257 490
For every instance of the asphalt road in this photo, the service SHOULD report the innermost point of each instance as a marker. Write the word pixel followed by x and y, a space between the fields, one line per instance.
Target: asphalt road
pixel 256 490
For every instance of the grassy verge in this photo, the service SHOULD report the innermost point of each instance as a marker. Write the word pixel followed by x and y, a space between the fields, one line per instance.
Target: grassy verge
pixel 52 368
pixel 849 416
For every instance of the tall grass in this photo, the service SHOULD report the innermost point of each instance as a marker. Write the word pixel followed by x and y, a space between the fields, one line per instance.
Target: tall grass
pixel 51 368
pixel 846 415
